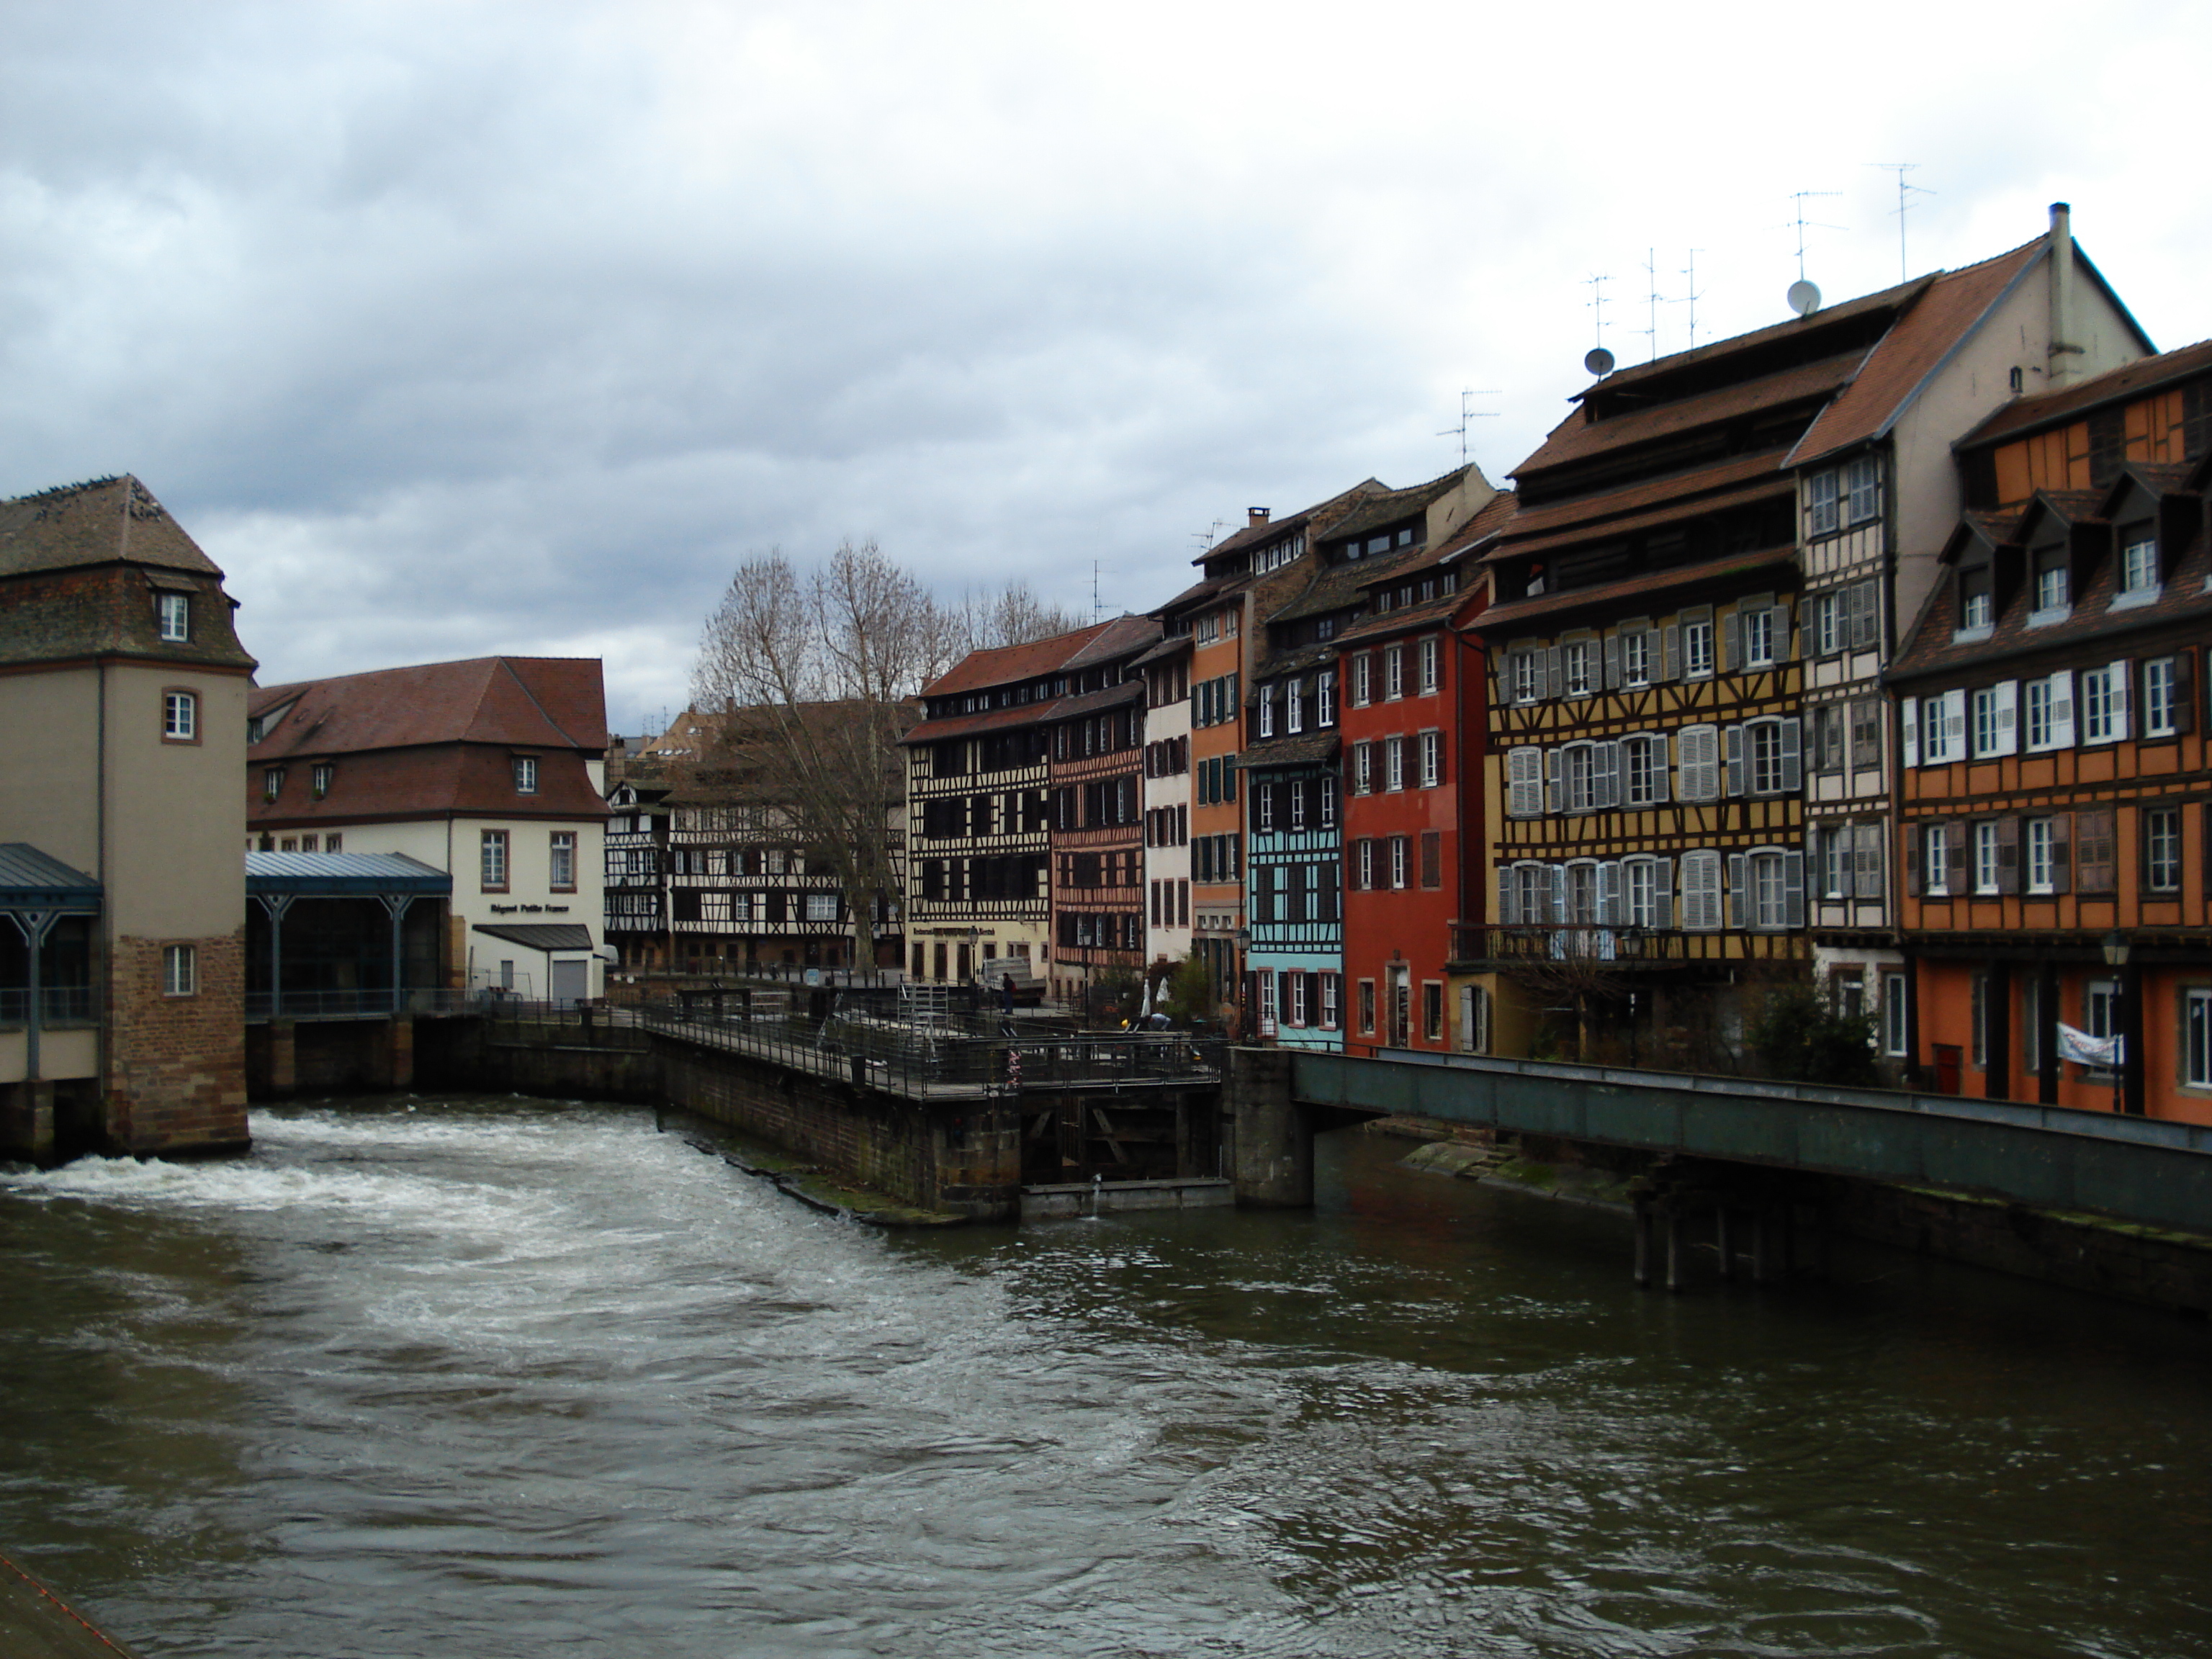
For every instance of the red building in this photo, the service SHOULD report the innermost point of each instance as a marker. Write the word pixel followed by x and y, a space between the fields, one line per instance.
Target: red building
pixel 1415 696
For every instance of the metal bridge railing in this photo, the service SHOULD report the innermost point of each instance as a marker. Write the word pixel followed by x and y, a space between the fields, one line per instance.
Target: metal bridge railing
pixel 59 1004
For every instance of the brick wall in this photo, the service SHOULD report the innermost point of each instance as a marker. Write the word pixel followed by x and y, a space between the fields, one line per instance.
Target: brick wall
pixel 176 1066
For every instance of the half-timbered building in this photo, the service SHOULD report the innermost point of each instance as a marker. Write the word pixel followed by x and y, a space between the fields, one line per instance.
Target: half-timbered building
pixel 979 837
pixel 1096 779
pixel 2057 830
pixel 1166 669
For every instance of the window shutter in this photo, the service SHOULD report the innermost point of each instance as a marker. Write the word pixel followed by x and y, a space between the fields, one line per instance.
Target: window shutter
pixel 2008 855
pixel 1608 895
pixel 1612 662
pixel 1793 889
pixel 2184 698
pixel 1735 895
pixel 1865 860
pixel 1670 652
pixel 1663 892
pixel 1735 760
pixel 1555 673
pixel 1658 748
pixel 1954 724
pixel 1912 833
pixel 1793 757
pixel 2062 709
pixel 1909 716
pixel 1552 787
pixel 1605 775
pixel 1558 894
pixel 2061 858
pixel 1786 644
pixel 1958 838
pixel 2121 682
pixel 1508 897
pixel 2007 717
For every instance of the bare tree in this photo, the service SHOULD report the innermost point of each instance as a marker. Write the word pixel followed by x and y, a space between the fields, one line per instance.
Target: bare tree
pixel 1011 616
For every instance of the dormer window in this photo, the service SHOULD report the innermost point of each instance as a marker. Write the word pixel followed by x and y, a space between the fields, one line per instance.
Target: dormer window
pixel 174 613
pixel 2053 589
pixel 1976 604
pixel 525 775
pixel 272 782
pixel 2138 583
pixel 319 778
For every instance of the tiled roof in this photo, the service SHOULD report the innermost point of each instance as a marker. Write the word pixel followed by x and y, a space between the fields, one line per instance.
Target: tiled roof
pixel 1005 665
pixel 531 702
pixel 1577 438
pixel 1917 344
pixel 1779 487
pixel 2069 403
pixel 1314 749
pixel 420 780
pixel 1390 506
pixel 1494 516
pixel 1420 614
pixel 1258 535
pixel 1588 512
pixel 1500 617
pixel 1122 635
pixel 1174 645
pixel 96 523
pixel 1933 647
pixel 988 720
pixel 1091 702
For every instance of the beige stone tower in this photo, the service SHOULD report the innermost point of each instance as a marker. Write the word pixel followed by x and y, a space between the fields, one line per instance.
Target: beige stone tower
pixel 122 693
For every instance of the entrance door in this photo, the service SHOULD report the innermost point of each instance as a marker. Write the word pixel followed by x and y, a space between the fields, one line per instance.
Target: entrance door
pixel 1401 1005
pixel 572 983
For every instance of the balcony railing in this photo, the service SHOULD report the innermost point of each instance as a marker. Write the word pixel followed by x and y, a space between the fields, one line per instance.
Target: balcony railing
pixel 59 1004
pixel 1626 947
pixel 364 1003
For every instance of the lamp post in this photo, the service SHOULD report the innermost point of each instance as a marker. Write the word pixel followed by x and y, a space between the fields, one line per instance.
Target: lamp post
pixel 1245 1014
pixel 1632 945
pixel 2117 948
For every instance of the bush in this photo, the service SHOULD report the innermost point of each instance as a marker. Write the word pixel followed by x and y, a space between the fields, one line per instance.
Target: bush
pixel 1799 1038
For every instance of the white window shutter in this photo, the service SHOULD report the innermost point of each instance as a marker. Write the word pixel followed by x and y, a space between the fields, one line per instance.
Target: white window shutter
pixel 1558 894
pixel 1793 756
pixel 1552 785
pixel 1735 894
pixel 1605 765
pixel 2007 717
pixel 1735 760
pixel 1612 662
pixel 1670 651
pixel 1555 673
pixel 1954 724
pixel 2062 709
pixel 1608 895
pixel 1508 897
pixel 1731 641
pixel 1787 644
pixel 2122 683
pixel 1908 714
pixel 1663 892
pixel 1793 889
pixel 1658 769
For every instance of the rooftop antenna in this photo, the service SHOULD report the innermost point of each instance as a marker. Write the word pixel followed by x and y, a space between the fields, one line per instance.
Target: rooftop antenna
pixel 1596 303
pixel 1904 192
pixel 1207 537
pixel 1692 298
pixel 1095 606
pixel 1467 415
pixel 1800 196
pixel 1651 269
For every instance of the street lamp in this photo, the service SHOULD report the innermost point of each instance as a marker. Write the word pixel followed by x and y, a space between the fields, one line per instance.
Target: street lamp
pixel 2117 948
pixel 1245 1017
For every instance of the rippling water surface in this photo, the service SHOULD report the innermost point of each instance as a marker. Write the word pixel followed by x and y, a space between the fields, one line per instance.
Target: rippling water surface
pixel 474 1379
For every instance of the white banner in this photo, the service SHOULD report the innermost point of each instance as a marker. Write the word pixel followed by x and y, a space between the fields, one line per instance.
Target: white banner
pixel 2086 1050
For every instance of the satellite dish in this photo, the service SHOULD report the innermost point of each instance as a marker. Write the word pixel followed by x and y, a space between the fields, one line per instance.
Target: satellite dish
pixel 1599 361
pixel 1804 298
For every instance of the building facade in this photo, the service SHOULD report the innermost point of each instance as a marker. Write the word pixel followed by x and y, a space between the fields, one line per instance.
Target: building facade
pixel 489 769
pixel 123 688
pixel 1166 669
pixel 2051 707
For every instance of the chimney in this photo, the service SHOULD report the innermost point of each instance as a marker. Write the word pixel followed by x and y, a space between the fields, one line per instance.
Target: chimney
pixel 2064 349
pixel 1256 516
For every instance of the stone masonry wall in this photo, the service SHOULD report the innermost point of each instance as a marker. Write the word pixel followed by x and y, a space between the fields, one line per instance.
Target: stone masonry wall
pixel 176 1066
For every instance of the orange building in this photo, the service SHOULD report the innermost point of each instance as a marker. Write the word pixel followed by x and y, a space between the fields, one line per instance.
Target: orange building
pixel 2057 788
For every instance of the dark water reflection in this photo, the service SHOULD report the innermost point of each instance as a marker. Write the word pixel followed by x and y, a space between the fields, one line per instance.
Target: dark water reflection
pixel 505 1379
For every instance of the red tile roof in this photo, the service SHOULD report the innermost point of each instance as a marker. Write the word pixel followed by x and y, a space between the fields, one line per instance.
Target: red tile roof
pixel 1917 344
pixel 102 522
pixel 431 781
pixel 1578 437
pixel 1008 665
pixel 1696 490
pixel 1498 618
pixel 532 702
pixel 2069 403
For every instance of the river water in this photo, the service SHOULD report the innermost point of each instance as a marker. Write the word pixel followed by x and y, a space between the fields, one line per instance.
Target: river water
pixel 470 1379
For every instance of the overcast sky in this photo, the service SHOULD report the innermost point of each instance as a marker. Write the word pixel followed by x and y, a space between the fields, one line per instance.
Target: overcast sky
pixel 450 329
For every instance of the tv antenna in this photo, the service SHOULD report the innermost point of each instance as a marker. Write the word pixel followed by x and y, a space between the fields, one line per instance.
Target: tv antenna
pixel 1467 414
pixel 1692 298
pixel 1651 271
pixel 1904 192
pixel 1800 196
pixel 1596 303
pixel 1207 537
pixel 1095 606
